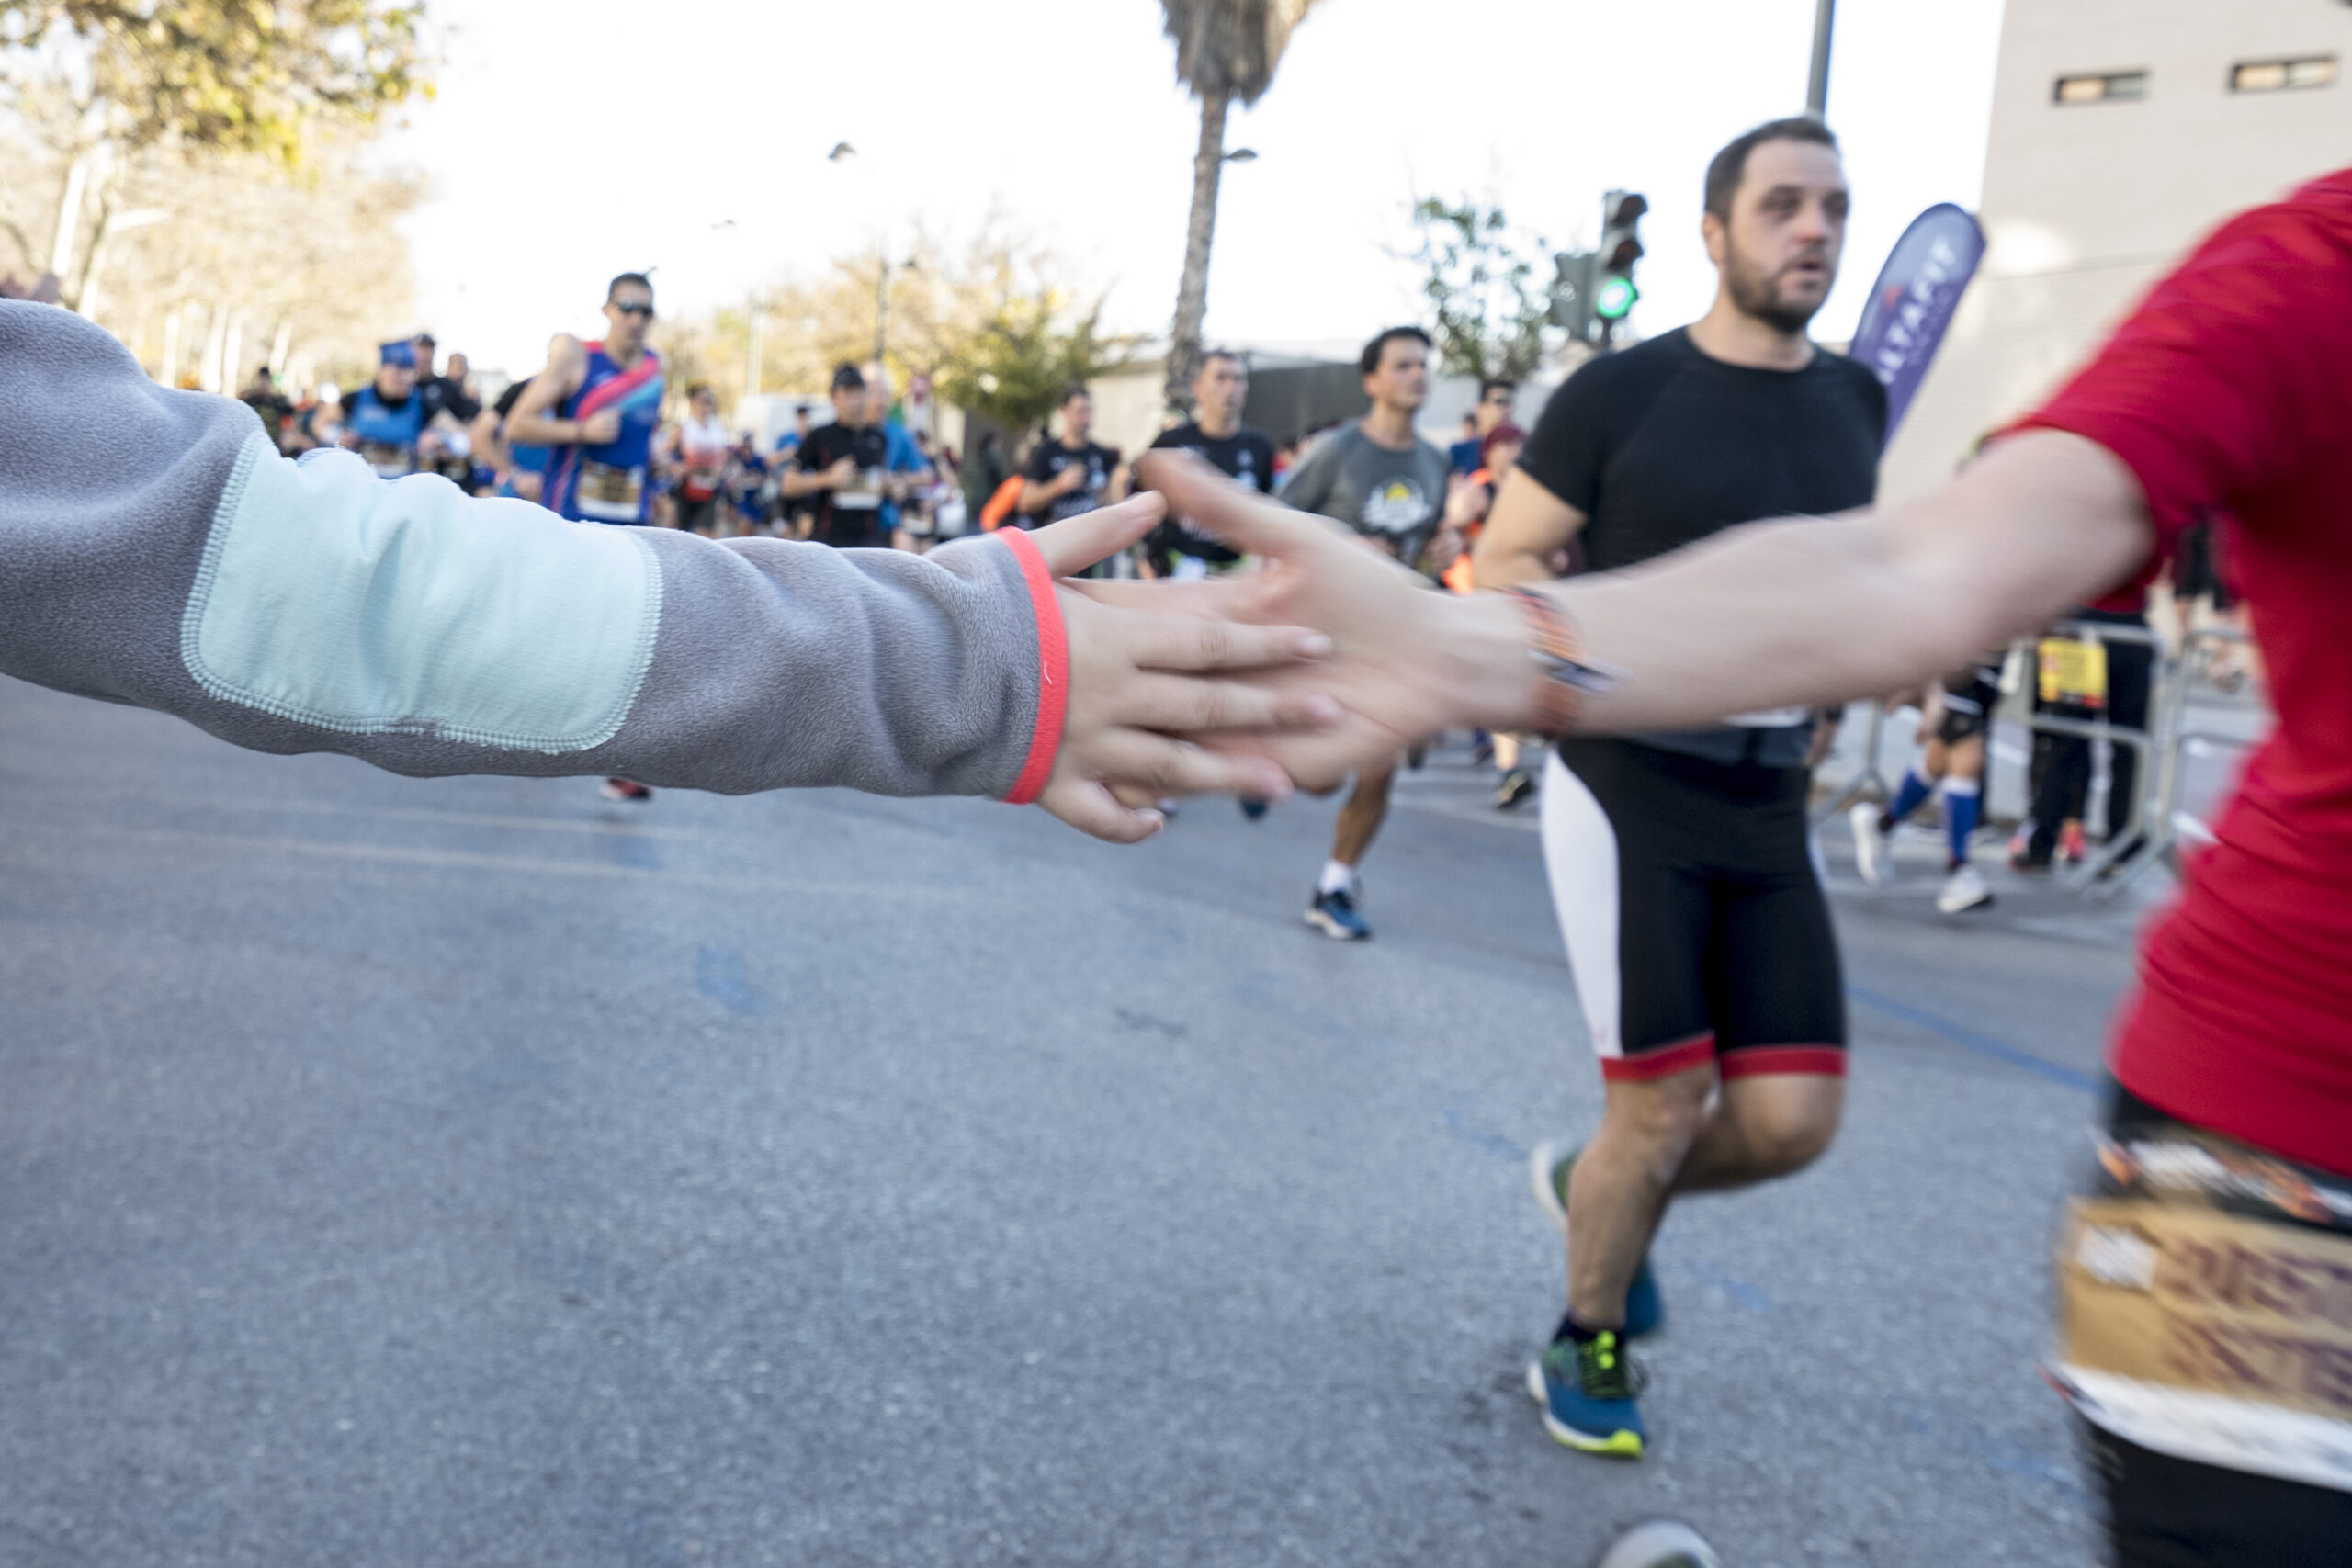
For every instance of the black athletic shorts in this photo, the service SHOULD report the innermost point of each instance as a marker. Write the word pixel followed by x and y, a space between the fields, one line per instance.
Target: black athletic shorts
pixel 1969 704
pixel 1695 922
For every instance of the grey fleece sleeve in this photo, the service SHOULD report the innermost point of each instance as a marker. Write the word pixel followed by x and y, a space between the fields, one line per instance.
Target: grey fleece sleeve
pixel 155 550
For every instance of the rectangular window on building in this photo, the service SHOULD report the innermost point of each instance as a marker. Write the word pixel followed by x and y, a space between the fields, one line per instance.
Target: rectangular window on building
pixel 2277 75
pixel 2109 86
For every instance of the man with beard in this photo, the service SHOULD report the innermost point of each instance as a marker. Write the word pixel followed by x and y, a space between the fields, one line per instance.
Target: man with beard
pixel 1701 945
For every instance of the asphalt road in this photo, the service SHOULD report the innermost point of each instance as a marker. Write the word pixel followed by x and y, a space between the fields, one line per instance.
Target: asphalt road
pixel 475 1172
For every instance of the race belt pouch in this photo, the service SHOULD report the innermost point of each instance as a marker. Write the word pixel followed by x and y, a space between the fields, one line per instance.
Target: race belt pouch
pixel 2205 1311
pixel 611 493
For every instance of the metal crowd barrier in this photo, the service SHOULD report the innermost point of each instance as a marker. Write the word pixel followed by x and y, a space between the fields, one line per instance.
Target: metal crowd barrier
pixel 2153 812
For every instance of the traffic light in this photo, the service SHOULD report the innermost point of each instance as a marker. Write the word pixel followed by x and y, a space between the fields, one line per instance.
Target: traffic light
pixel 1621 246
pixel 1572 293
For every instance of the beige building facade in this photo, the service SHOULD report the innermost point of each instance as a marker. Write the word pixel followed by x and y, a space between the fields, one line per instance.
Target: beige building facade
pixel 2122 130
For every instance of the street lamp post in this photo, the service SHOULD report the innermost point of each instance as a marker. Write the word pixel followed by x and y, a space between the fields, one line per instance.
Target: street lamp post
pixel 1816 90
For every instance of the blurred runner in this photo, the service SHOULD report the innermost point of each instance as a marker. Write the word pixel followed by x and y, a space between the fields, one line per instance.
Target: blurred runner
pixel 1498 454
pixel 700 454
pixel 395 422
pixel 1680 861
pixel 1176 549
pixel 906 472
pixel 1954 758
pixel 837 474
pixel 595 407
pixel 747 486
pixel 455 459
pixel 1071 474
pixel 1383 480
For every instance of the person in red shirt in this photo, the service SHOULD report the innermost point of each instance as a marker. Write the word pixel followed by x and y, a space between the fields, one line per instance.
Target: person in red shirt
pixel 2228 389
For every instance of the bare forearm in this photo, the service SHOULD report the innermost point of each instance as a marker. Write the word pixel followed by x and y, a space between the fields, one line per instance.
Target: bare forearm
pixel 537 430
pixel 1818 610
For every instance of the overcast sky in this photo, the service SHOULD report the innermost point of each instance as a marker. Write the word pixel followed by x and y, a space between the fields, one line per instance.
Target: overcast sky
pixel 574 139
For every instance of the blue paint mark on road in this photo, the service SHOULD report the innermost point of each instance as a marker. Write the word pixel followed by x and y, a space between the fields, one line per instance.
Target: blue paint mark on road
pixel 1983 1044
pixel 1743 1294
pixel 1948 1427
pixel 721 975
pixel 1486 1139
pixel 634 850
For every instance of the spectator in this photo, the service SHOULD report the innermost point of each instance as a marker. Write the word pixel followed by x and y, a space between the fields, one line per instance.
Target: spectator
pixel 1496 394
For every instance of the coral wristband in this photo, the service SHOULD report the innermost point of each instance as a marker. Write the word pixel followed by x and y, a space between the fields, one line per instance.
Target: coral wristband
pixel 1053 667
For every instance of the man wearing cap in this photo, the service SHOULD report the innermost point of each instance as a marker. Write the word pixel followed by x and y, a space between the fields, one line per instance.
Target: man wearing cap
pixel 395 422
pixel 837 474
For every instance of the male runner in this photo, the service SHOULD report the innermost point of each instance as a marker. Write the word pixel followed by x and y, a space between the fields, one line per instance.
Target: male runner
pixel 1216 435
pixel 395 421
pixel 2223 391
pixel 1681 869
pixel 836 474
pixel 1383 480
pixel 596 406
pixel 454 461
pixel 1071 474
pixel 1954 758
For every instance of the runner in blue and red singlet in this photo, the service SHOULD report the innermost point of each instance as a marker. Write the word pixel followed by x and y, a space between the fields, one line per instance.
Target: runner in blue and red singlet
pixel 596 405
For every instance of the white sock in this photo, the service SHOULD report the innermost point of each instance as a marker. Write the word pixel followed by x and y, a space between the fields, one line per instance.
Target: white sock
pixel 1338 877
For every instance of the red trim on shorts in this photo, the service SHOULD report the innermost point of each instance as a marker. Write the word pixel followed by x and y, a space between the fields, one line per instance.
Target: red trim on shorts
pixel 1679 1057
pixel 1053 672
pixel 1825 1061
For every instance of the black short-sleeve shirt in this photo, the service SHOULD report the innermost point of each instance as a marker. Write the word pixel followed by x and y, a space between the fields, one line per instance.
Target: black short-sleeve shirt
pixel 851 516
pixel 1046 465
pixel 1660 447
pixel 1246 455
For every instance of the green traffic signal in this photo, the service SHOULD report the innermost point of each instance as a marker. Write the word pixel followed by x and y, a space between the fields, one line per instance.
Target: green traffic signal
pixel 1615 297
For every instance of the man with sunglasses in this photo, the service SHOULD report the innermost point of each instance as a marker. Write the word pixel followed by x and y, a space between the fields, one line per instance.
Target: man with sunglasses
pixel 596 405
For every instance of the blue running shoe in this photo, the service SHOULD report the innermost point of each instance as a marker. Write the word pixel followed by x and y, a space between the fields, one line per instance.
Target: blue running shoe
pixel 1334 914
pixel 1587 1391
pixel 1253 809
pixel 1548 1171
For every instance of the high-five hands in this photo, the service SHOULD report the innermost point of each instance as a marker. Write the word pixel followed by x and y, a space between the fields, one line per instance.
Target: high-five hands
pixel 1405 660
pixel 1153 710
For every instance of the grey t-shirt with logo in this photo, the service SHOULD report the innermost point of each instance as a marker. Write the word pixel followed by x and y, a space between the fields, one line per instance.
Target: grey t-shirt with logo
pixel 1396 497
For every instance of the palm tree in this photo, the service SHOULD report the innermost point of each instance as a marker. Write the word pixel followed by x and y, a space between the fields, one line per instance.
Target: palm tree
pixel 1225 49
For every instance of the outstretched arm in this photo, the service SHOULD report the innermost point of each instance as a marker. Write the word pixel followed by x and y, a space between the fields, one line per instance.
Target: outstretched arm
pixel 158 552
pixel 1804 610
